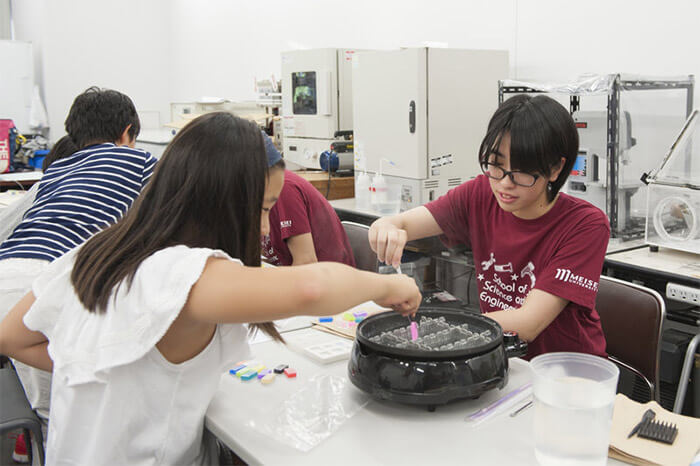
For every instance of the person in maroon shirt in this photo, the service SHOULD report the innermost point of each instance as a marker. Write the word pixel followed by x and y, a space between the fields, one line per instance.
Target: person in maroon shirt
pixel 538 253
pixel 301 227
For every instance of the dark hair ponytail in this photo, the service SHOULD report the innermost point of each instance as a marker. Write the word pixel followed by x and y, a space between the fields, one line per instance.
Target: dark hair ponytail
pixel 61 149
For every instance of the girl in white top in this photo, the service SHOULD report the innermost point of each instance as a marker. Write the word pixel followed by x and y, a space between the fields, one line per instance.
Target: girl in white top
pixel 138 322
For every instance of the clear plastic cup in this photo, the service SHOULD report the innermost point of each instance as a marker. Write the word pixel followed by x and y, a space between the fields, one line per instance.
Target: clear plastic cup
pixel 574 396
pixel 389 203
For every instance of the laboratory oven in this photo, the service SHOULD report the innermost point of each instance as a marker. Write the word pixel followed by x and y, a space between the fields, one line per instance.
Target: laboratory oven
pixel 420 115
pixel 316 101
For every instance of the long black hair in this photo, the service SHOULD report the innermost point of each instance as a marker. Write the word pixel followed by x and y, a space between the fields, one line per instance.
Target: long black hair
pixel 541 133
pixel 207 191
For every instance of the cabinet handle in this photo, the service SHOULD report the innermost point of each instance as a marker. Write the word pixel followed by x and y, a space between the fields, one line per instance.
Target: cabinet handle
pixel 412 117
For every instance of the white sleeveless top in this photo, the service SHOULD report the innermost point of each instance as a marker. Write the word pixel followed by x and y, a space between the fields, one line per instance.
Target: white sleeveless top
pixel 115 399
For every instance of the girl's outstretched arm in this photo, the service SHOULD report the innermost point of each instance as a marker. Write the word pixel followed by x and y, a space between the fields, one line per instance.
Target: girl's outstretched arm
pixel 229 292
pixel 18 342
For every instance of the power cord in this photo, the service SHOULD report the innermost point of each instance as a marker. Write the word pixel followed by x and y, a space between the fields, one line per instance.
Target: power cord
pixel 328 187
pixel 469 281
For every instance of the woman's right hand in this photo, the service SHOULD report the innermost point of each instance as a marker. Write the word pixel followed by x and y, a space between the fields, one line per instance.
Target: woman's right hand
pixel 403 295
pixel 388 241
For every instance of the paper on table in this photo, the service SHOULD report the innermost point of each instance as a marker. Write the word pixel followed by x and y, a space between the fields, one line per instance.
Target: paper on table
pixel 642 451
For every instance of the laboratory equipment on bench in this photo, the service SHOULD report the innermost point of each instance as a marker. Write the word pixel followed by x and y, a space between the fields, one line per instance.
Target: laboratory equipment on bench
pixel 673 194
pixel 588 178
pixel 339 159
pixel 456 355
pixel 384 198
pixel 362 190
pixel 427 110
pixel 624 130
pixel 316 101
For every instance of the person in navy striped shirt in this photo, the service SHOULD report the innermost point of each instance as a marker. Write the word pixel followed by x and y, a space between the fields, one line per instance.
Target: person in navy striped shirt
pixel 81 193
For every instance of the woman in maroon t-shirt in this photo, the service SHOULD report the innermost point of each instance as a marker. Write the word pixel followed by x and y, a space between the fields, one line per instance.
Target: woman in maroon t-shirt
pixel 538 253
pixel 301 227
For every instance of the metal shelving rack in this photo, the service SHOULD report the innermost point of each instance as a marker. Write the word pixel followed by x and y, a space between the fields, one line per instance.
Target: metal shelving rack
pixel 618 84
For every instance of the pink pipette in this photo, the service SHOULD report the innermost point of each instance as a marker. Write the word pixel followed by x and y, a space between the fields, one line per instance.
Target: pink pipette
pixel 414 330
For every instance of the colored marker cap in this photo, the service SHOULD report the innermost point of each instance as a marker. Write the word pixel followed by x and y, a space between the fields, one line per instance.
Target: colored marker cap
pixel 249 375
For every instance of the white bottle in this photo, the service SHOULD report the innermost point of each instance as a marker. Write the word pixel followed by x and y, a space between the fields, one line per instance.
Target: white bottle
pixel 362 188
pixel 379 192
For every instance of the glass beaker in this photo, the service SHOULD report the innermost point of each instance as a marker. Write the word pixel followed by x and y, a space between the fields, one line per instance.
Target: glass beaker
pixel 574 396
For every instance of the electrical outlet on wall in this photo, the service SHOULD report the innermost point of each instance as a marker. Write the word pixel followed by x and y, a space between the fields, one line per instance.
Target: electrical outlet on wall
pixel 683 293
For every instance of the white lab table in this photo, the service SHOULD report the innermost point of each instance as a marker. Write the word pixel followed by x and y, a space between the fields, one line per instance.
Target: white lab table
pixel 22 180
pixel 381 432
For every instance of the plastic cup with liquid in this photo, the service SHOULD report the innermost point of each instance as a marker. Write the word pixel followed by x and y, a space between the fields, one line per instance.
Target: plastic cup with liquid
pixel 574 395
pixel 389 202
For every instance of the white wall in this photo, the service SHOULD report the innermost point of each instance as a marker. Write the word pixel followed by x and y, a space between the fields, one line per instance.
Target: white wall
pixel 122 45
pixel 221 46
pixel 561 38
pixel 160 51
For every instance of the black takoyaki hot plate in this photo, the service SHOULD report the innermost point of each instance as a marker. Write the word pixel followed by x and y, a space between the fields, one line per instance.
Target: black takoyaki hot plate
pixel 456 355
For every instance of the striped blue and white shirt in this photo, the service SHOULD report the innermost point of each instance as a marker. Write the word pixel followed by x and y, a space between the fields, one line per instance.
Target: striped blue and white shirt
pixel 77 197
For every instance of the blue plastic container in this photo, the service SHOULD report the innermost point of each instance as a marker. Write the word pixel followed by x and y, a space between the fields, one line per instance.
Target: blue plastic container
pixel 38 160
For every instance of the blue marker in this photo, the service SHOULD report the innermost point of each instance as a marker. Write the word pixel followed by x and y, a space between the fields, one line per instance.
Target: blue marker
pixel 235 370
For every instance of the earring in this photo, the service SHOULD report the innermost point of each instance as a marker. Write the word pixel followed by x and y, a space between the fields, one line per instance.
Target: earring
pixel 549 187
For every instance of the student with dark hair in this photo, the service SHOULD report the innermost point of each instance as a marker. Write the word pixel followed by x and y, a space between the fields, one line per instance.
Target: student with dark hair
pixel 303 227
pixel 538 253
pixel 101 115
pixel 93 177
pixel 139 323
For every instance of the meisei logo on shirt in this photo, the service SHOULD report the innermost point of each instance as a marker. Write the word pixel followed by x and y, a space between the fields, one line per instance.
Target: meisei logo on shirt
pixel 567 276
pixel 286 224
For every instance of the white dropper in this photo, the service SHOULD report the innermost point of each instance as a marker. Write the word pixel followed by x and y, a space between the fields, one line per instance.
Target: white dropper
pixel 383 159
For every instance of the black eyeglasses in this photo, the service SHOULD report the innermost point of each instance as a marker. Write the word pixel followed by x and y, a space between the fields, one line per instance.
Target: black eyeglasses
pixel 497 172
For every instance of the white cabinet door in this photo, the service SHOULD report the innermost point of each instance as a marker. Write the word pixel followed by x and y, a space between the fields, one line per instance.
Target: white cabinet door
pixel 390 111
pixel 16 82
